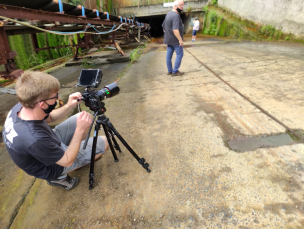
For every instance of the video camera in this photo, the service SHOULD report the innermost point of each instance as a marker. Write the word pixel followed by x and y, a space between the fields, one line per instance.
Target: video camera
pixel 91 78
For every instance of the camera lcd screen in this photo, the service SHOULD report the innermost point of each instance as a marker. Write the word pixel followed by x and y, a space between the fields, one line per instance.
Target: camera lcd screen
pixel 88 77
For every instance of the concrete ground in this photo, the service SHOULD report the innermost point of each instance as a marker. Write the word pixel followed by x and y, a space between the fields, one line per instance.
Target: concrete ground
pixel 182 126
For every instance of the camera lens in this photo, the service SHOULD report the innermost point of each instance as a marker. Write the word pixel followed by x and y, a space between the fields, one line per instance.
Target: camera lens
pixel 111 90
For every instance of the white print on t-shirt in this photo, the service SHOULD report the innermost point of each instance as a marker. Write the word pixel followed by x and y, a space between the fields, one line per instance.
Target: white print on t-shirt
pixel 10 132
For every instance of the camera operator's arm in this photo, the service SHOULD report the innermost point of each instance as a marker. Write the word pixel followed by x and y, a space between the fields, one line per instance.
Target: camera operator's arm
pixel 84 121
pixel 59 113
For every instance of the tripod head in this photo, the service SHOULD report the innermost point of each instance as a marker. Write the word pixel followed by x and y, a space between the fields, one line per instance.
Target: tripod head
pixel 93 99
pixel 91 78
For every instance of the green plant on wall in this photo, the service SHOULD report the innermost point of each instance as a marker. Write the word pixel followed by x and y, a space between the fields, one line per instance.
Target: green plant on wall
pixel 287 38
pixel 221 22
pixel 22 45
pixel 214 2
pixel 189 9
pixel 277 35
pixel 110 6
pixel 213 23
pixel 98 4
pixel 26 56
pixel 268 30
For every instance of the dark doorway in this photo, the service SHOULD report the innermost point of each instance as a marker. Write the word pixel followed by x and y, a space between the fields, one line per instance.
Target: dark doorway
pixel 155 23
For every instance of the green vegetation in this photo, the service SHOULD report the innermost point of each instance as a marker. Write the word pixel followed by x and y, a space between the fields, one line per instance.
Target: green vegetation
pixel 26 56
pixel 110 4
pixel 221 22
pixel 136 53
pixel 215 23
pixel 214 2
pixel 85 62
pixel 3 81
pixel 268 30
pixel 189 9
pixel 98 4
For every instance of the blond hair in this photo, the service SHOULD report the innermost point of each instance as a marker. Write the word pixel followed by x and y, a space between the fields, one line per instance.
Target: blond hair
pixel 33 87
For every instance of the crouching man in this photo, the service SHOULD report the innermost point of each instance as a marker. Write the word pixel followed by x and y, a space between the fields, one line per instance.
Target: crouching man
pixel 40 151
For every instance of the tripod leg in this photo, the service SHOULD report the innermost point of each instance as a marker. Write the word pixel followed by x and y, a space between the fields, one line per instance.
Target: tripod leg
pixel 91 174
pixel 110 142
pixel 140 160
pixel 116 146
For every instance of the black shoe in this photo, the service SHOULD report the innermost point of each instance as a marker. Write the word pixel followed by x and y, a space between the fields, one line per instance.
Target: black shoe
pixel 178 73
pixel 67 183
pixel 169 73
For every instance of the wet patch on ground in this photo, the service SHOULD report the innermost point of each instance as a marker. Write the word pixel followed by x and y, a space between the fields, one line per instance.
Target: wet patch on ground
pixel 251 143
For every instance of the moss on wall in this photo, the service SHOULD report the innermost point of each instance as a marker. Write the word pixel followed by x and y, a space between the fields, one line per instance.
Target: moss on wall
pixel 221 22
pixel 23 46
pixel 27 57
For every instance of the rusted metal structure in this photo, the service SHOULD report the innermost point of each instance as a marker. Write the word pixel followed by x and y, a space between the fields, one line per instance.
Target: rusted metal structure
pixel 36 16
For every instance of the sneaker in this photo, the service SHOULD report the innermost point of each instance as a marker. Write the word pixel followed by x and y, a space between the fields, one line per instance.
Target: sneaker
pixel 169 73
pixel 178 73
pixel 67 183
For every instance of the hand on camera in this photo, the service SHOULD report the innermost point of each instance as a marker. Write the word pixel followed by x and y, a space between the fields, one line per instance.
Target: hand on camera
pixel 84 120
pixel 73 99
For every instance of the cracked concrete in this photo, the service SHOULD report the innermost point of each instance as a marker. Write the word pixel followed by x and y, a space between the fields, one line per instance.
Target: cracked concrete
pixel 180 125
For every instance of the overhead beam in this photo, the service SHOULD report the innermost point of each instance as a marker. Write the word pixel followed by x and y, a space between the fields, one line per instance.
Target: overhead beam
pixel 32 14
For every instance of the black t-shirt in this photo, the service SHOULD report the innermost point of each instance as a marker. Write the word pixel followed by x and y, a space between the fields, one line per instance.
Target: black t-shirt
pixel 32 145
pixel 172 22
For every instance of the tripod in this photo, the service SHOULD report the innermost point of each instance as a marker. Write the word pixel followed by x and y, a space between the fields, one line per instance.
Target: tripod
pixel 110 132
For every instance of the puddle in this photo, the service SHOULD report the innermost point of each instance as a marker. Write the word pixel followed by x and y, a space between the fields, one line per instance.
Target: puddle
pixel 244 144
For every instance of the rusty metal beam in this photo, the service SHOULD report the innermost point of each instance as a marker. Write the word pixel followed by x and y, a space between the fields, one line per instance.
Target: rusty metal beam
pixel 12 75
pixel 34 41
pixel 4 46
pixel 21 31
pixel 32 14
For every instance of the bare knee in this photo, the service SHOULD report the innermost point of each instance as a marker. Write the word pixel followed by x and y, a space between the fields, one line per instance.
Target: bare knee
pixel 106 142
pixel 97 156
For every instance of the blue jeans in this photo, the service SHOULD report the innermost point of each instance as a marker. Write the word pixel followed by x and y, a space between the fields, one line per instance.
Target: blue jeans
pixel 179 56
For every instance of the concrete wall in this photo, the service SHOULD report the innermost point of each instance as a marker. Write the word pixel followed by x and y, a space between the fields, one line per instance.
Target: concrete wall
pixel 150 10
pixel 128 3
pixel 187 22
pixel 285 15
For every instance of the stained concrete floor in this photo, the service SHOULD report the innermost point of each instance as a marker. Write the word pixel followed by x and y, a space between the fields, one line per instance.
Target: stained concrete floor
pixel 181 126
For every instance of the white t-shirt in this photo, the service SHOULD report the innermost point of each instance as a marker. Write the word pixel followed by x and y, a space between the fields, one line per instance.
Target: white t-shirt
pixel 196 25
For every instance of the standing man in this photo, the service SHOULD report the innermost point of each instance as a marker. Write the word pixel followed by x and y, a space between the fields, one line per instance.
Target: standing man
pixel 174 30
pixel 195 28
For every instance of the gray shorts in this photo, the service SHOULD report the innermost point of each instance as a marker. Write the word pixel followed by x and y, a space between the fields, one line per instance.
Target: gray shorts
pixel 65 132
